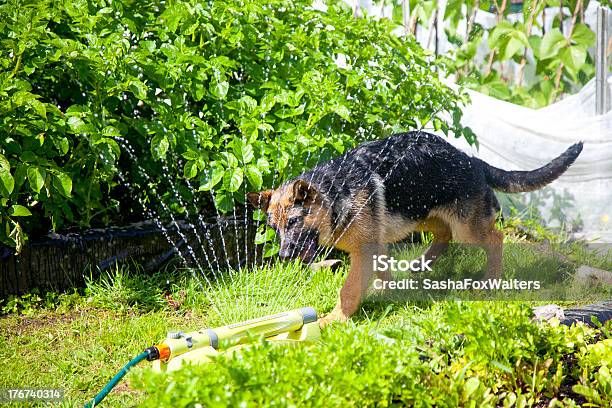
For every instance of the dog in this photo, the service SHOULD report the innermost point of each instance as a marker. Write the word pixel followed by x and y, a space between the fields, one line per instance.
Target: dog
pixel 384 190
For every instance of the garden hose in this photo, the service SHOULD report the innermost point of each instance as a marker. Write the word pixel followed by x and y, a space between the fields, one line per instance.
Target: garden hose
pixel 115 380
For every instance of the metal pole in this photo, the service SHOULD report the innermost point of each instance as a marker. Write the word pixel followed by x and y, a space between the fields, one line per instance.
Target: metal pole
pixel 601 69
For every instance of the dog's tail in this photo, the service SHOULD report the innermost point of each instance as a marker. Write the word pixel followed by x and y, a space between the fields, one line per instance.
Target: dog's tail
pixel 524 181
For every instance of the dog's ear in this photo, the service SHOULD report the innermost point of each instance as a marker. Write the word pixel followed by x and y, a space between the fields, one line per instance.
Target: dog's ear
pixel 304 192
pixel 260 200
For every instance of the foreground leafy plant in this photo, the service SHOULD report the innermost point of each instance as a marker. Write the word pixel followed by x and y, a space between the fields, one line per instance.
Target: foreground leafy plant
pixel 232 95
pixel 451 354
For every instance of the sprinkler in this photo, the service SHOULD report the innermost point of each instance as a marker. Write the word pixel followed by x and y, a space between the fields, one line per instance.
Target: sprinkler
pixel 198 347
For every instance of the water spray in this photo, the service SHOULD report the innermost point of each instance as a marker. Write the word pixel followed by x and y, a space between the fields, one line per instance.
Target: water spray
pixel 202 346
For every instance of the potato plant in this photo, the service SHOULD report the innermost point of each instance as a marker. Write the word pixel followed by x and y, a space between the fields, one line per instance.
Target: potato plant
pixel 211 98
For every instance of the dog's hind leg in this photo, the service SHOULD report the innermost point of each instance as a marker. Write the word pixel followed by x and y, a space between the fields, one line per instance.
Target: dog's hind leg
pixel 442 235
pixel 485 234
pixel 494 247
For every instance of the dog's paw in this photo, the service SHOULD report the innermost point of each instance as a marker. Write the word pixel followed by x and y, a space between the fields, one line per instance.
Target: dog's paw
pixel 331 318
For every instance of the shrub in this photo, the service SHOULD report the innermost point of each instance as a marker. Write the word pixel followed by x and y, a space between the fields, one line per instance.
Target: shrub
pixel 231 95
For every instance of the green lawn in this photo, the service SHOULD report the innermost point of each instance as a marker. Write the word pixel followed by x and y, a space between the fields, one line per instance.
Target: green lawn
pixel 444 353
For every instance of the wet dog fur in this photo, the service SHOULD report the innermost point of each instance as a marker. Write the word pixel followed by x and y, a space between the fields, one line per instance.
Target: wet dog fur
pixel 383 190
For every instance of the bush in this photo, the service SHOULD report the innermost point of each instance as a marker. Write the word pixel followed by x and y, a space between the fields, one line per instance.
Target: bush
pixel 231 95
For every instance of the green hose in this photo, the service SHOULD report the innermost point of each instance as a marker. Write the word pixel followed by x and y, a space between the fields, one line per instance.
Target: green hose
pixel 115 380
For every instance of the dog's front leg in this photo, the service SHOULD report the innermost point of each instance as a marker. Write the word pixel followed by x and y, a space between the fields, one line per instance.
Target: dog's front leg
pixel 354 287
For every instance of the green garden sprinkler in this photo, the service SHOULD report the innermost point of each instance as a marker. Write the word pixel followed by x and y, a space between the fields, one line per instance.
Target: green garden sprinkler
pixel 200 346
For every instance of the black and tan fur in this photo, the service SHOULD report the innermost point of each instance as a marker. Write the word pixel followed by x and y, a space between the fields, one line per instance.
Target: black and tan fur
pixel 382 191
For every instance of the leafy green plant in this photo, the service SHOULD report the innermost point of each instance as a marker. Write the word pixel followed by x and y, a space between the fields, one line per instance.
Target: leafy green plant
pixel 448 354
pixel 230 95
pixel 595 380
pixel 29 303
pixel 560 59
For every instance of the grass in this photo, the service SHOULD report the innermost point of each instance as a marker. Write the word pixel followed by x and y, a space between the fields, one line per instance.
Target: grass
pixel 445 353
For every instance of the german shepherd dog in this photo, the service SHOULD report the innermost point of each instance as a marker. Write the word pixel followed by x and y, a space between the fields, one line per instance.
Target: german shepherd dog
pixel 382 191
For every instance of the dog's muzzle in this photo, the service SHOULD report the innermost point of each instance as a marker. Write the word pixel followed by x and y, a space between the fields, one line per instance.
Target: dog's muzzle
pixel 305 248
